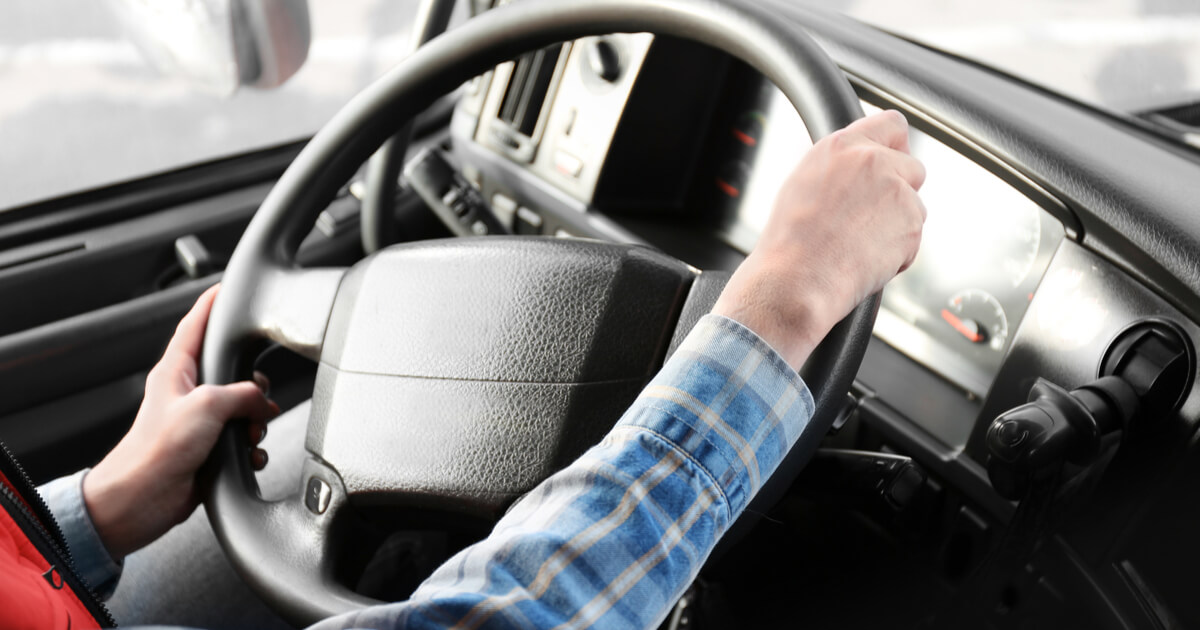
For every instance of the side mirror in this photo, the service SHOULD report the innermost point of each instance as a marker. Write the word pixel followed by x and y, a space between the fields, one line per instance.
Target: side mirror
pixel 220 44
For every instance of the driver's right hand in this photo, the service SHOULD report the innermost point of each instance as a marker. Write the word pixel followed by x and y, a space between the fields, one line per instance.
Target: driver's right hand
pixel 845 222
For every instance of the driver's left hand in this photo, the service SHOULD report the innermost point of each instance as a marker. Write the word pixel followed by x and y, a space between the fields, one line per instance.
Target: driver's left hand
pixel 147 483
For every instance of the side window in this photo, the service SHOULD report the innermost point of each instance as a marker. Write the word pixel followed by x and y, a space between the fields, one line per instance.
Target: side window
pixel 81 107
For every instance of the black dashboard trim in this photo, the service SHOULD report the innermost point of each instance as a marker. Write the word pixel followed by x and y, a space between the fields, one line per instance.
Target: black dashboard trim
pixel 977 153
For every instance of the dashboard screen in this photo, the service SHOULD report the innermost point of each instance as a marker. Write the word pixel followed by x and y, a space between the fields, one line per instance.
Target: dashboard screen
pixel 984 249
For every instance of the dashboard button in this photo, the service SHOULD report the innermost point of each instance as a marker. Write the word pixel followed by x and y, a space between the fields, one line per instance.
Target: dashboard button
pixel 317 495
pixel 505 207
pixel 567 164
pixel 528 222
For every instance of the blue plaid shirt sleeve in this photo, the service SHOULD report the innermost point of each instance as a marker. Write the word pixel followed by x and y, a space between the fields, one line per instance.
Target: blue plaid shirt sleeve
pixel 613 540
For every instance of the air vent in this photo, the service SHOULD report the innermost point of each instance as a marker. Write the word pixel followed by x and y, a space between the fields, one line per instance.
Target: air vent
pixel 520 109
pixel 527 90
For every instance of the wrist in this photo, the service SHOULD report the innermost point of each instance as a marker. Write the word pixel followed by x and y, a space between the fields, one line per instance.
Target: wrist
pixel 106 496
pixel 783 305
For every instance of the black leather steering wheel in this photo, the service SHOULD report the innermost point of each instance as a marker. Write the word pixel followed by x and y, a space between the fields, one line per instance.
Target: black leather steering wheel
pixel 457 374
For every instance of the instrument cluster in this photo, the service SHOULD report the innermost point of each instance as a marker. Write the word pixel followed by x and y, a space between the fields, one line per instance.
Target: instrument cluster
pixel 984 249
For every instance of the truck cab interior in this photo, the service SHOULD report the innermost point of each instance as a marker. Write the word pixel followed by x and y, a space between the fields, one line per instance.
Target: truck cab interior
pixel 465 276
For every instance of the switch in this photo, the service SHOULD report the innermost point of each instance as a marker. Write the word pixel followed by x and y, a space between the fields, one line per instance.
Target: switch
pixel 317 495
pixel 569 126
pixel 505 207
pixel 567 164
pixel 193 257
pixel 528 222
pixel 472 175
pixel 340 217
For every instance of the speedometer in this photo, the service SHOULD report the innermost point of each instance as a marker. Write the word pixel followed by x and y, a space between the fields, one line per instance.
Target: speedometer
pixel 1024 236
pixel 978 318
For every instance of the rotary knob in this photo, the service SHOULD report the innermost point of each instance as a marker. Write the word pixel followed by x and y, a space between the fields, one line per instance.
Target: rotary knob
pixel 604 60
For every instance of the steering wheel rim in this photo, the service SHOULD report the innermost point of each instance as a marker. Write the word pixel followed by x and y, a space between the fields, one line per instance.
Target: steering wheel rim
pixel 264 297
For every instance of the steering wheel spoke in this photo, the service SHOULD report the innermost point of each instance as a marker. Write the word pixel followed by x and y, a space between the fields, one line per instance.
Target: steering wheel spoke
pixel 293 536
pixel 292 306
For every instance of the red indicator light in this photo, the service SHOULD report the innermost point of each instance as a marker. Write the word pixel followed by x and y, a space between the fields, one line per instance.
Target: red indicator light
pixel 728 189
pixel 744 138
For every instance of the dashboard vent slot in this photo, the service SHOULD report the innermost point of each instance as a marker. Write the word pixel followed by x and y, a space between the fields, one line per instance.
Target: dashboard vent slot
pixel 527 90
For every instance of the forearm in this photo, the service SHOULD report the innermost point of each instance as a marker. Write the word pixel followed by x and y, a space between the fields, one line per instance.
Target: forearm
pixel 613 539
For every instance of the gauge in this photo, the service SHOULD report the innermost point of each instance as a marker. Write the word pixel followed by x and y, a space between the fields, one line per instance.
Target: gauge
pixel 1024 232
pixel 732 177
pixel 978 318
pixel 749 128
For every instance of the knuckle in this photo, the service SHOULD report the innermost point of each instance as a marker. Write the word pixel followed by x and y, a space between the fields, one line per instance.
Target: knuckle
pixel 919 172
pixel 206 395
pixel 837 140
pixel 867 157
pixel 156 375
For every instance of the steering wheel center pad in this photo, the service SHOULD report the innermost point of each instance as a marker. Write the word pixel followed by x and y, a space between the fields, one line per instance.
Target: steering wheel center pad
pixel 461 373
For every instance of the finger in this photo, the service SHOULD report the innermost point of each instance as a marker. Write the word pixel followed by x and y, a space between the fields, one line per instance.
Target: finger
pixel 258 459
pixel 909 168
pixel 263 382
pixel 921 209
pixel 236 400
pixel 889 128
pixel 257 431
pixel 189 335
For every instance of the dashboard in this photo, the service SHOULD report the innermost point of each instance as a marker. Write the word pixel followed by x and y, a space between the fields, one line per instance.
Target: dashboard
pixel 551 137
pixel 651 140
pixel 1054 235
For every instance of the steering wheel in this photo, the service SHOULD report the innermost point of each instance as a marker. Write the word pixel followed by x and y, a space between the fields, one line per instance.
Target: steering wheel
pixel 457 374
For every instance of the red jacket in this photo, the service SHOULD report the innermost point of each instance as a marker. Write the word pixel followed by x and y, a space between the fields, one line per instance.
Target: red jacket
pixel 39 588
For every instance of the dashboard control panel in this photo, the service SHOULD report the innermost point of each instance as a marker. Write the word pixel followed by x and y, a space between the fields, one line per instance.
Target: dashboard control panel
pixel 555 111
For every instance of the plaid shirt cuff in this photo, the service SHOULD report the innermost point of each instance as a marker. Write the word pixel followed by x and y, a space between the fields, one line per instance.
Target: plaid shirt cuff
pixel 729 401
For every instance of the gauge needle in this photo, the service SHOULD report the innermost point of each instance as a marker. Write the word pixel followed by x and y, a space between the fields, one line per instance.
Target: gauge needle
pixel 968 328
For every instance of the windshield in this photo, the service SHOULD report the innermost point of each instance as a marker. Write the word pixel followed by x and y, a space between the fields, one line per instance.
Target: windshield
pixel 80 106
pixel 1128 56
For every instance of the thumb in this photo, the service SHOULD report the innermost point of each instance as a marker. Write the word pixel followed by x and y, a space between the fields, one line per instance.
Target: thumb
pixel 185 344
